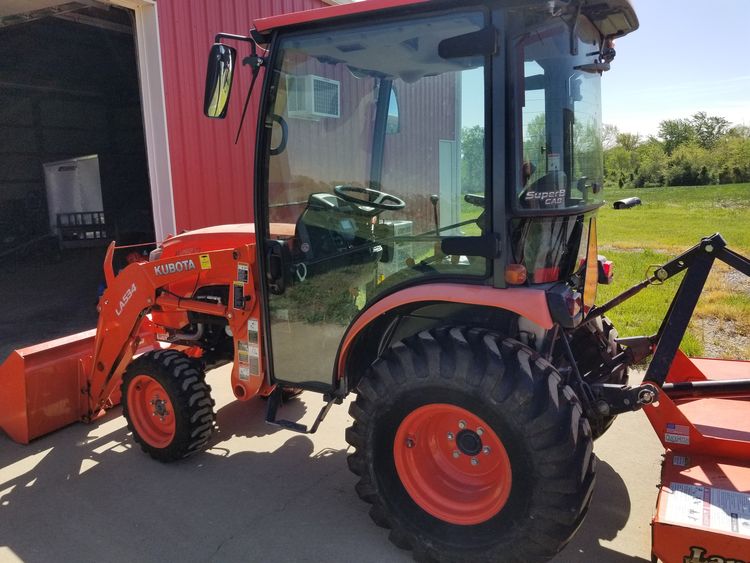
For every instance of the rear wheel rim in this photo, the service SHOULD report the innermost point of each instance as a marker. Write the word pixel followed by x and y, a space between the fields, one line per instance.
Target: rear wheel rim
pixel 151 411
pixel 452 464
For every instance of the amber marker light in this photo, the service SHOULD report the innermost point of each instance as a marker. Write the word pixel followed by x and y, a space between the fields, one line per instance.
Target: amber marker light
pixel 515 274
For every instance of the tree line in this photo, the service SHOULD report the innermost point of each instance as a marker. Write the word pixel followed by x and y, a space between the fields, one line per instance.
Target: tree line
pixel 699 150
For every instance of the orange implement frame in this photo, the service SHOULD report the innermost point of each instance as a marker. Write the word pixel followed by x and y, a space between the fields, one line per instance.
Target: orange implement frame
pixel 50 385
pixel 703 507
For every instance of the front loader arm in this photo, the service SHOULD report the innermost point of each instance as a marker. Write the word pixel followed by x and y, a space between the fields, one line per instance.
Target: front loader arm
pixel 139 288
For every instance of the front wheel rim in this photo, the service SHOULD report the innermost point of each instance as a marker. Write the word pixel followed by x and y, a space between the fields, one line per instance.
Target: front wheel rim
pixel 151 411
pixel 452 464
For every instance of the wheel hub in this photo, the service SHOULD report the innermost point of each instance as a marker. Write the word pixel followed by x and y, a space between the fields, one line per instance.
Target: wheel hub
pixel 160 407
pixel 469 442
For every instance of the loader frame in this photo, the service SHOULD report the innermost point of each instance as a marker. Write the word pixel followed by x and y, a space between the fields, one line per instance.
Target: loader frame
pixel 52 393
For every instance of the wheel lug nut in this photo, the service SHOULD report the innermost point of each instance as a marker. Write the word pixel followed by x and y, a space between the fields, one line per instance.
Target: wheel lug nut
pixel 474 461
pixel 480 431
pixel 462 424
pixel 450 435
pixel 410 442
pixel 486 450
pixel 456 453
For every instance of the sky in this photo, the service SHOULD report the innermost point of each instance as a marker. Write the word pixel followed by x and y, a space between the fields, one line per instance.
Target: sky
pixel 687 56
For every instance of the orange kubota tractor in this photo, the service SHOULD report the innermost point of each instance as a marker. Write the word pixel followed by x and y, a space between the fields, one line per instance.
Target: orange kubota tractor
pixel 427 178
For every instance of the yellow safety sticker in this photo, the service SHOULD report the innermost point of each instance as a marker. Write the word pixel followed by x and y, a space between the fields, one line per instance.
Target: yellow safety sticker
pixel 205 260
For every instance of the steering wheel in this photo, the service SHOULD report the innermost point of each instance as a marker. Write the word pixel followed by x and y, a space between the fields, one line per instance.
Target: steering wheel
pixel 375 202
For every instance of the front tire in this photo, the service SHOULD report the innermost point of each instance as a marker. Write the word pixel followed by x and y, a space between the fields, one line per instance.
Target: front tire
pixel 470 448
pixel 168 405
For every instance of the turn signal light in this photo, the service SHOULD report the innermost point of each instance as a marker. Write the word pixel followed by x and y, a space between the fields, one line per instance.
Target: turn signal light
pixel 606 270
pixel 515 274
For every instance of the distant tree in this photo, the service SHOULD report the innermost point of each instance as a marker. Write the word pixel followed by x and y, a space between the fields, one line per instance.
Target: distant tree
pixel 587 150
pixel 708 128
pixel 472 159
pixel 739 131
pixel 689 165
pixel 651 165
pixel 619 166
pixel 676 132
pixel 535 145
pixel 609 135
pixel 732 163
pixel 697 151
pixel 628 141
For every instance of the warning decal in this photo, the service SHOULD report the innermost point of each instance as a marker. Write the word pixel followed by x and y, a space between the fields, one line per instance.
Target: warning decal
pixel 243 272
pixel 709 507
pixel 680 460
pixel 677 434
pixel 205 260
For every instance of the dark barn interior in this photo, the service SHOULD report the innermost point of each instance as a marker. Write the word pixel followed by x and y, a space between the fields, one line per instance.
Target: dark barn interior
pixel 69 88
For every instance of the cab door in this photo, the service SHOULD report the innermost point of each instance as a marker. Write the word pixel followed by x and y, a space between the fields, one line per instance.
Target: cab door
pixel 374 154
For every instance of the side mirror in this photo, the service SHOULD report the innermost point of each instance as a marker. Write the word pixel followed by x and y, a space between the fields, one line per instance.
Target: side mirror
pixel 219 80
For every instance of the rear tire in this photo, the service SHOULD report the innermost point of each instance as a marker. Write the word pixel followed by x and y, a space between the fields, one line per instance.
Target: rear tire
pixel 168 405
pixel 444 507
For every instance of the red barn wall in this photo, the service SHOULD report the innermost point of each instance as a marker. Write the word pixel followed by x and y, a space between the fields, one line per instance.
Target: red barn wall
pixel 211 176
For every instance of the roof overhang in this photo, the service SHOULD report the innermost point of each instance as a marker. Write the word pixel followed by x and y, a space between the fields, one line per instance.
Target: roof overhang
pixel 613 18
pixel 266 25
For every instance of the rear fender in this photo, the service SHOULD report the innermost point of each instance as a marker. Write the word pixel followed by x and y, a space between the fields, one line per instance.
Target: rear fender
pixel 522 302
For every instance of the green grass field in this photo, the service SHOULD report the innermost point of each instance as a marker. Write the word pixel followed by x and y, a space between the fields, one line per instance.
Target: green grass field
pixel 669 221
pixel 674 218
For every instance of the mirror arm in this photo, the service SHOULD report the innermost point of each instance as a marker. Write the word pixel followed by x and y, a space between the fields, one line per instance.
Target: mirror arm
pixel 255 63
pixel 219 36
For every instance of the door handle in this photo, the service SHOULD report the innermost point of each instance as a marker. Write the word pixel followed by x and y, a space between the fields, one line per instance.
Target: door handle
pixel 278 274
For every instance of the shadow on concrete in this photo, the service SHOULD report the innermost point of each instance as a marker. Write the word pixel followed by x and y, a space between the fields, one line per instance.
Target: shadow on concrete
pixel 608 514
pixel 87 493
pixel 248 418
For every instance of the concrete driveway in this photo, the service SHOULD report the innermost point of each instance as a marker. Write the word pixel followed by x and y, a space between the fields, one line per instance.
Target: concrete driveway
pixel 86 493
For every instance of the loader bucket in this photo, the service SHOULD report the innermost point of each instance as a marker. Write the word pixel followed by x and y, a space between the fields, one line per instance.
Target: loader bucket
pixel 41 387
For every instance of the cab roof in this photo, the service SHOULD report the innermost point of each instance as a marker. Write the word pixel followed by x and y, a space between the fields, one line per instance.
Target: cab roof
pixel 613 18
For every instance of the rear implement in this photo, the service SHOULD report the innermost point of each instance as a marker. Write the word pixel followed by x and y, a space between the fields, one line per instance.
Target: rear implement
pixel 703 507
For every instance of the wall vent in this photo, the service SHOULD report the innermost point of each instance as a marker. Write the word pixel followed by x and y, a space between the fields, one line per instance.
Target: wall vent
pixel 313 97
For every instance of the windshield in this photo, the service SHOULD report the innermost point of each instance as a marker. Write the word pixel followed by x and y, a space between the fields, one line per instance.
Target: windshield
pixel 558 110
pixel 380 111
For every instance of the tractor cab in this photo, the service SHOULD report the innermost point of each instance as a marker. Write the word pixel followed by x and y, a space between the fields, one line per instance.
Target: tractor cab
pixel 435 143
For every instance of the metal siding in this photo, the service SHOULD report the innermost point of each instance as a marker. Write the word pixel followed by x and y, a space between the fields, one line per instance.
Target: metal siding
pixel 211 176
